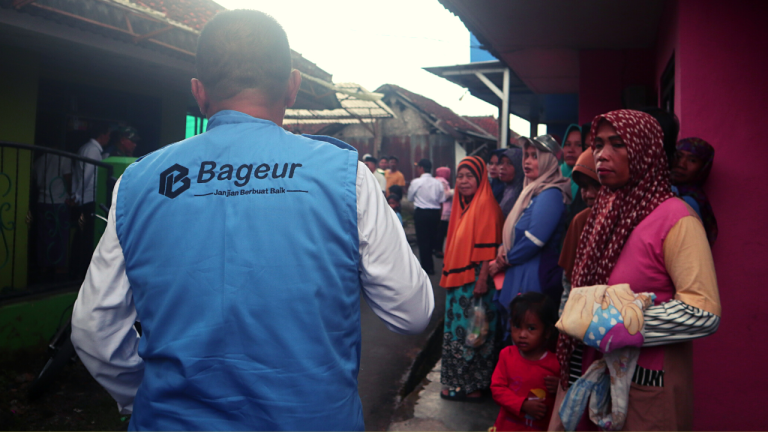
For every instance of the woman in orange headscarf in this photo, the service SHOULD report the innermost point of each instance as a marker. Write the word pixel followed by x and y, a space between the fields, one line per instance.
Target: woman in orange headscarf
pixel 474 232
pixel 585 176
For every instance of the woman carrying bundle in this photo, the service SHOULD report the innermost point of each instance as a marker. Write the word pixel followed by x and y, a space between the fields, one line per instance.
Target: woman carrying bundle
pixel 640 234
pixel 474 232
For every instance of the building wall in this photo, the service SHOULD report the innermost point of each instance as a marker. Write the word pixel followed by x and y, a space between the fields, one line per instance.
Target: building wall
pixel 604 74
pixel 406 136
pixel 721 57
pixel 359 137
pixel 18 95
pixel 23 73
pixel 18 107
pixel 157 110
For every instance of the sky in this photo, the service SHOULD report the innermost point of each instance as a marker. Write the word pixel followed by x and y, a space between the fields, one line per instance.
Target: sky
pixel 374 43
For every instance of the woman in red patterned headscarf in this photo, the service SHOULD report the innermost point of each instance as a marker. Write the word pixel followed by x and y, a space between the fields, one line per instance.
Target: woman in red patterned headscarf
pixel 641 234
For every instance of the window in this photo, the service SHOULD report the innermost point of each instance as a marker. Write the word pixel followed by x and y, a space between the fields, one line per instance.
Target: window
pixel 667 86
pixel 195 125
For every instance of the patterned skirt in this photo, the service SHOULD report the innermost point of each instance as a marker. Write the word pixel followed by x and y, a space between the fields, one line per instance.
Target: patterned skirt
pixel 466 369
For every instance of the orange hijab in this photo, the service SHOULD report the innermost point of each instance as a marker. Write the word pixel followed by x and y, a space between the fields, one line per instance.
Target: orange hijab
pixel 474 230
pixel 586 166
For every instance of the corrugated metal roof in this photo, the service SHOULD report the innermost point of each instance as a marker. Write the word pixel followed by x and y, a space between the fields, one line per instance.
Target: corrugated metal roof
pixel 352 110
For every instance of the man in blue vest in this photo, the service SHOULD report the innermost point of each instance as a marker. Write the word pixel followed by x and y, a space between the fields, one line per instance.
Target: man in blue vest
pixel 243 252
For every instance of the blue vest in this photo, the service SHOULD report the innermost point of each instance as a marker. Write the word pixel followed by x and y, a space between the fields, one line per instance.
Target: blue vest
pixel 241 248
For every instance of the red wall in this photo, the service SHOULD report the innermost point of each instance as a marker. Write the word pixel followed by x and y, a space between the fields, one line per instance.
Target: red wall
pixel 603 75
pixel 722 57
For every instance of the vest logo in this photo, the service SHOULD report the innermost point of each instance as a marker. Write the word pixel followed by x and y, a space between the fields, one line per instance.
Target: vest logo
pixel 168 180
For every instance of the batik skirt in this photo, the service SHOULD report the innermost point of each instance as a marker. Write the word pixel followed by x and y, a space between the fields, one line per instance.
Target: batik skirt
pixel 466 369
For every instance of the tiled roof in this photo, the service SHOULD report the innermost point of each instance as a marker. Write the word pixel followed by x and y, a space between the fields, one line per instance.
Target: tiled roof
pixel 488 123
pixel 192 13
pixel 434 109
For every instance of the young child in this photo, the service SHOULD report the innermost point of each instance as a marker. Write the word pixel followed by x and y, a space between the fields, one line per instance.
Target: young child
pixel 525 380
pixel 394 202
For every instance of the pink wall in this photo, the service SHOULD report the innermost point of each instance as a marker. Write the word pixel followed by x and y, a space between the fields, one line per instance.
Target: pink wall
pixel 666 45
pixel 721 91
pixel 603 75
pixel 722 57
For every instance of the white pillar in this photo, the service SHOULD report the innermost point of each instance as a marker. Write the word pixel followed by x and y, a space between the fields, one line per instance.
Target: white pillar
pixel 504 115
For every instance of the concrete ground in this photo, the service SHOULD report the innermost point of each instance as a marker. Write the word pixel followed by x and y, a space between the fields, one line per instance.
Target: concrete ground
pixel 432 413
pixel 386 362
pixel 387 357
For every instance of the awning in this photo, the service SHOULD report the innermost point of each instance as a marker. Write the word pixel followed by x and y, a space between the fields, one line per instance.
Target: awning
pixel 485 80
pixel 357 105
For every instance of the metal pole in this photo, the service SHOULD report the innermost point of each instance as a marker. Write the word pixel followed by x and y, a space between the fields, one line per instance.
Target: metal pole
pixel 534 116
pixel 534 127
pixel 504 120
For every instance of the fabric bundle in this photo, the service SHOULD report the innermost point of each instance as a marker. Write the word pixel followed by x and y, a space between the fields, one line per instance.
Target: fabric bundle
pixel 604 317
pixel 609 319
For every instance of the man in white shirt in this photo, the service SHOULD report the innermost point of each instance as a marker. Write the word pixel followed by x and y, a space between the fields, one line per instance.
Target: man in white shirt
pixel 244 263
pixel 427 195
pixel 84 174
pixel 83 195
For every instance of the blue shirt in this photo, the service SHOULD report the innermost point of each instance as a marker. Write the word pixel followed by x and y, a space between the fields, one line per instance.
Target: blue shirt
pixel 533 257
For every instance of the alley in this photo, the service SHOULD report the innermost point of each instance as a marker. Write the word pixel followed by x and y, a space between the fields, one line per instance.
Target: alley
pixel 386 360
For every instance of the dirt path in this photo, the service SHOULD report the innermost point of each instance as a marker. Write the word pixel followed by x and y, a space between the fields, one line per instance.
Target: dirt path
pixel 74 402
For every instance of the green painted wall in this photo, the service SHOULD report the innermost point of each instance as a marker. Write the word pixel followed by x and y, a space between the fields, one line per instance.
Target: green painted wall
pixel 18 109
pixel 19 77
pixel 32 323
pixel 15 166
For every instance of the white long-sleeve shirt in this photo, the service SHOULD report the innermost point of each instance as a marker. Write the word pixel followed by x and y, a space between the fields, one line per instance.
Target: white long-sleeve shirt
pixel 393 284
pixel 426 192
pixel 84 174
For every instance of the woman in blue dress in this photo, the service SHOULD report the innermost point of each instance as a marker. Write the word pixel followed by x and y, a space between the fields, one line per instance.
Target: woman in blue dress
pixel 534 228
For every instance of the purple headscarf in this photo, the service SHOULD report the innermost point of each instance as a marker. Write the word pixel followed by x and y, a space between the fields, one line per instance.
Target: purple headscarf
pixel 695 189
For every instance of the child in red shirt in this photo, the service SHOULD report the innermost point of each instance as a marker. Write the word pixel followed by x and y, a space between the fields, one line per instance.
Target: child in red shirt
pixel 525 380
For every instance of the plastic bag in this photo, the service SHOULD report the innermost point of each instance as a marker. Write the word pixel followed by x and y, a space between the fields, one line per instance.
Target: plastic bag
pixel 477 329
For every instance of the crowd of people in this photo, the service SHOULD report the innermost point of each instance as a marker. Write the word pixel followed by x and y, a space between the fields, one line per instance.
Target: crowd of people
pixel 540 224
pixel 576 275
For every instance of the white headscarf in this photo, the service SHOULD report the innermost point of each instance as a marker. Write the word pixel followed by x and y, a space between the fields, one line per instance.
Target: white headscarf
pixel 549 177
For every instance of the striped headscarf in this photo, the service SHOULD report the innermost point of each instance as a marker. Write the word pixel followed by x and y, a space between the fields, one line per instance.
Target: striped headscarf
pixel 617 213
pixel 474 230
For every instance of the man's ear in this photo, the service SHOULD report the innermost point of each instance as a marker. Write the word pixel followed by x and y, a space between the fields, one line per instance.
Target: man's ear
pixel 200 95
pixel 294 83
